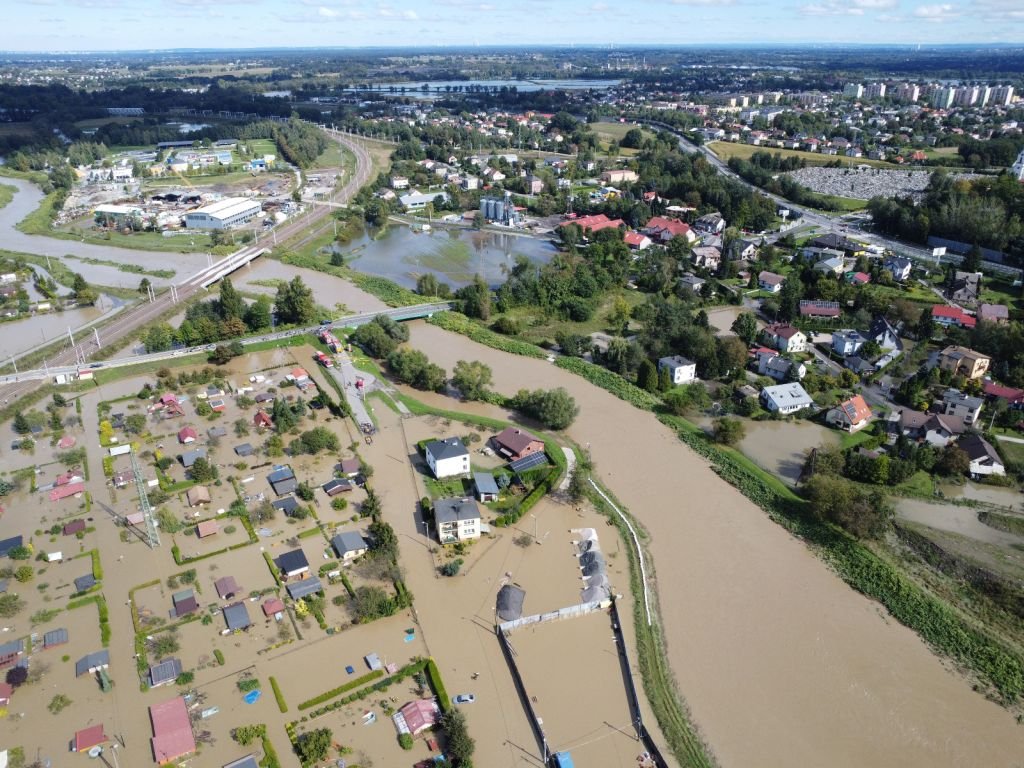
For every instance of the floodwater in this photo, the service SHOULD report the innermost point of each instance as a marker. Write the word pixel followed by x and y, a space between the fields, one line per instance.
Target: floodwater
pixel 454 256
pixel 955 519
pixel 328 290
pixel 989 494
pixel 781 662
pixel 779 446
pixel 27 199
pixel 28 333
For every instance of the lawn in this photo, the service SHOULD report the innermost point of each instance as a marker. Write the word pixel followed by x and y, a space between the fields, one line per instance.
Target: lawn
pixel 609 132
pixel 142 241
pixel 1012 451
pixel 537 328
pixel 233 177
pixel 920 484
pixel 336 156
pixel 448 487
pixel 6 194
pixel 727 150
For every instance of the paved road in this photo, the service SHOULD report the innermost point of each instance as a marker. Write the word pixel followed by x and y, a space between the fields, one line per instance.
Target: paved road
pixel 131 320
pixel 345 373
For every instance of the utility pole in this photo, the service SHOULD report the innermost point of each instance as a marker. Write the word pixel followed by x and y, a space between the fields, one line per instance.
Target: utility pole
pixel 15 364
pixel 70 336
pixel 96 333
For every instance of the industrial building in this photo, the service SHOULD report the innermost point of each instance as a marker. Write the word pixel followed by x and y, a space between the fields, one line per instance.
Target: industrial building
pixel 500 211
pixel 223 214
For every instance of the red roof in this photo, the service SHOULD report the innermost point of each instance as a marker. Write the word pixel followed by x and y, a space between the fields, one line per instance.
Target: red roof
pixel 861 277
pixel 273 605
pixel 420 714
pixel 187 433
pixel 261 419
pixel 299 373
pixel 64 491
pixel 73 527
pixel 515 441
pixel 782 330
pixel 172 731
pixel 634 239
pixel 1010 394
pixel 6 689
pixel 169 398
pixel 595 223
pixel 855 409
pixel 66 442
pixel 672 226
pixel 814 308
pixel 89 737
pixel 955 314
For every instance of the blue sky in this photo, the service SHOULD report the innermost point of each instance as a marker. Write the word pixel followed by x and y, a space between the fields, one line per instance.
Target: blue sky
pixel 62 25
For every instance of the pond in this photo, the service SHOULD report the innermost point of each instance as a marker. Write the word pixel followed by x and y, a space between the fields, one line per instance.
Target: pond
pixel 29 333
pixel 454 256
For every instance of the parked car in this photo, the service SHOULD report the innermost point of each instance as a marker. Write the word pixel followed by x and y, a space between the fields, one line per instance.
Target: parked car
pixel 464 698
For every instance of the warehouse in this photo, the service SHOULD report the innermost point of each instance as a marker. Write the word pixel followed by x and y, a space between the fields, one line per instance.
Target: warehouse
pixel 223 214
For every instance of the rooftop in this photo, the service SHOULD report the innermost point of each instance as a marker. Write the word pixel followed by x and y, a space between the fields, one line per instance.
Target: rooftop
pixel 454 510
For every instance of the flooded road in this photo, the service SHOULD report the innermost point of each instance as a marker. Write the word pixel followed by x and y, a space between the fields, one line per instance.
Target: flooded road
pixel 955 519
pixel 781 663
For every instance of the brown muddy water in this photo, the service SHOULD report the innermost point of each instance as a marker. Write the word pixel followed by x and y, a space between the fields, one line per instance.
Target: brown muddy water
pixel 781 663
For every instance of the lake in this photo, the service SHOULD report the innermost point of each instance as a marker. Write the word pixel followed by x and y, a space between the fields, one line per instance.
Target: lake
pixel 454 256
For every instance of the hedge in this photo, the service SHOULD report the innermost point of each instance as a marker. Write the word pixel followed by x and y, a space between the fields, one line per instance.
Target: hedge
pixel 378 687
pixel 459 323
pixel 327 695
pixel 272 567
pixel 610 382
pixel 437 684
pixel 104 614
pixel 219 656
pixel 281 705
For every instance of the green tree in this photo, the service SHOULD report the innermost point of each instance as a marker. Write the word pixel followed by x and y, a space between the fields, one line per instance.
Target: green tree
pixel 24 573
pixel 314 745
pixel 305 491
pixel 257 314
pixel 283 416
pixel 864 514
pixel 294 303
pixel 10 605
pixel 687 398
pixel 953 461
pixel 427 285
pixel 158 338
pixel 745 326
pixel 618 315
pixel 647 376
pixel 370 603
pixel 21 424
pixel 84 293
pixel 972 261
pixel 58 703
pixel 383 540
pixel 472 379
pixel 374 339
pixel 728 431
pixel 144 285
pixel 555 408
pixel 664 380
pixel 202 471
pixel 460 744
pixel 475 298
pixel 164 644
pixel 230 304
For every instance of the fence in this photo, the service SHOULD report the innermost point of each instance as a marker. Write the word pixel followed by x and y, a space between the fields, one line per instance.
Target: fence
pixel 571 612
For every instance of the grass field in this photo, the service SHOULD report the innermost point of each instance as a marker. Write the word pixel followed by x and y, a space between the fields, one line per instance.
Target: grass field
pixel 98 122
pixel 335 156
pixel 260 147
pixel 234 177
pixel 610 132
pixel 537 328
pixel 727 150
pixel 6 194
pixel 143 241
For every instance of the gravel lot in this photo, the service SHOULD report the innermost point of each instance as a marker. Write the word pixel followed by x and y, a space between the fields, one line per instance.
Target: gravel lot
pixel 863 184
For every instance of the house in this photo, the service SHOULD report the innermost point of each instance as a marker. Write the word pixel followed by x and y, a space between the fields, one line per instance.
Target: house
pixel 85 583
pixel 94 662
pixel 711 223
pixel 984 458
pixel 243 450
pixel 1013 396
pixel 207 528
pixel 55 637
pixel 680 369
pixel 965 287
pixel 850 248
pixel 197 495
pixel 335 486
pixel 288 505
pixel 87 738
pixel 619 176
pixel 66 491
pixel 814 255
pixel 594 223
pixel 486 487
pixel 707 256
pixel 298 375
pixel 6 690
pixel 416 200
pixel 9 652
pixel 261 420
pixel 850 415
pixel 349 545
pixel 936 429
pixel 769 281
pixel 858 278
pixel 123 478
pixel 349 467
pixel 818 308
pixel 847 342
pixel 308 586
pixel 8 544
pixel 456 520
pixel 692 283
pixel 273 607
pixel 189 457
pixel 187 435
pixel 226 587
pixel 165 672
pixel 663 229
pixel 184 603
pixel 417 716
pixel 785 398
pixel 293 563
pixel 637 241
pixel 785 338
pixel 74 527
pixel 956 403
pixel 172 731
pixel 952 316
pixel 899 267
pixel 831 266
pixel 994 313
pixel 964 362
pixel 884 334
pixel 771 363
pixel 282 480
pixel 742 250
pixel 514 443
pixel 447 458
pixel 236 617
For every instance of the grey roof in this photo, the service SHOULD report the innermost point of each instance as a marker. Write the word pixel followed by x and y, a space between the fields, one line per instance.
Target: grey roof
pixel 245 449
pixel 286 485
pixel 337 485
pixel 348 541
pixel 83 583
pixel 3 586
pixel 530 461
pixel 287 505
pixel 485 483
pixel 92 661
pixel 955 396
pixel 292 561
pixel 510 602
pixel 216 432
pixel 55 637
pixel 13 647
pixel 182 595
pixel 977 447
pixel 453 510
pixel 164 672
pixel 300 589
pixel 8 544
pixel 279 474
pixel 249 761
pixel 674 361
pixel 449 448
pixel 237 616
pixel 188 458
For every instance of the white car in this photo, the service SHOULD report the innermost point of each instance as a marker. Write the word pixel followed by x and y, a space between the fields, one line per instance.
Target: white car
pixel 464 698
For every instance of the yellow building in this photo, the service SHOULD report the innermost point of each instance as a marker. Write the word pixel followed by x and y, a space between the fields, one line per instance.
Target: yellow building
pixel 964 362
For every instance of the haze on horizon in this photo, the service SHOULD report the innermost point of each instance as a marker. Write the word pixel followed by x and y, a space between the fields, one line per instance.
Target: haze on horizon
pixel 122 25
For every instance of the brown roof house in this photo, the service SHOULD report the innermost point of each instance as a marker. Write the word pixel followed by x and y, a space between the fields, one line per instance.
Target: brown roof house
pixel 514 443
pixel 198 494
pixel 964 362
pixel 207 528
pixel 851 415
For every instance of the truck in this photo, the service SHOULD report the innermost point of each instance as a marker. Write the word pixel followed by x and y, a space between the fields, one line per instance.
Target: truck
pixel 324 360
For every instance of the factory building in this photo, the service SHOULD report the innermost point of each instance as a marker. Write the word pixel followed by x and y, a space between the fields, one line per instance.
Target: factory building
pixel 223 213
pixel 500 210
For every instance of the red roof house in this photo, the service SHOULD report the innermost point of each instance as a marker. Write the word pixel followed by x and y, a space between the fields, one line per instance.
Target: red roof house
pixel 75 526
pixel 66 442
pixel 819 308
pixel 187 435
pixel 273 605
pixel 87 738
pixel 1011 395
pixel 6 689
pixel 172 731
pixel 418 715
pixel 947 316
pixel 64 491
pixel 226 587
pixel 664 229
pixel 261 419
pixel 636 240
pixel 594 223
pixel 514 443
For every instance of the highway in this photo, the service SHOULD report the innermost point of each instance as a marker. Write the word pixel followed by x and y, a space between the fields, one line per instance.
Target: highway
pixel 129 321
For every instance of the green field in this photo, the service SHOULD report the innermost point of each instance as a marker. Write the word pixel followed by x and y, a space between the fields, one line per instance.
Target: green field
pixel 6 194
pixel 613 132
pixel 232 177
pixel 727 150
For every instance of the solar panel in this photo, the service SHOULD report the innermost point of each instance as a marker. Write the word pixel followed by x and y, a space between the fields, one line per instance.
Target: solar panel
pixel 529 462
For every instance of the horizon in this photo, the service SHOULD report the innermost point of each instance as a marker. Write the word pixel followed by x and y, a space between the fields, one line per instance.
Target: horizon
pixel 156 26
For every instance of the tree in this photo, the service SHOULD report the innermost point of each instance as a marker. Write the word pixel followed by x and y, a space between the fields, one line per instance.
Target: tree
pixel 84 293
pixel 451 568
pixel 21 424
pixel 58 703
pixel 972 261
pixel 865 514
pixel 59 400
pixel 135 424
pixel 953 461
pixel 369 603
pixel 304 491
pixel 314 745
pixel 555 408
pixel 230 304
pixel 383 539
pixel 10 604
pixel 413 367
pixel 460 744
pixel 745 326
pixel 164 644
pixel 572 344
pixel 472 379
pixel 925 327
pixel 257 314
pixel 144 285
pixel 294 302
pixel 687 398
pixel 374 340
pixel 241 428
pixel 314 441
pixel 158 338
pixel 17 676
pixel 20 552
pixel 647 376
pixel 24 573
pixel 283 416
pixel 475 298
pixel 427 285
pixel 202 471
pixel 619 314
pixel 728 431
pixel 732 355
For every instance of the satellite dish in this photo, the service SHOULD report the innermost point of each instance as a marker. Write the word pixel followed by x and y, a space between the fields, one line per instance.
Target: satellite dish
pixel 95 752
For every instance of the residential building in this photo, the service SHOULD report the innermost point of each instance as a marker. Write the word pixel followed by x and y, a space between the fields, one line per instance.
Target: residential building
pixel 964 362
pixel 293 563
pixel 187 435
pixel 851 249
pixel 226 587
pixel 349 545
pixel 935 429
pixel 207 528
pixel 447 458
pixel 884 334
pixel 164 672
pixel 486 487
pixel 847 342
pixel 513 443
pixel 692 283
pixel 399 182
pixel 965 288
pixel 947 316
pixel 785 338
pixel 172 731
pixel 196 496
pixel 984 458
pixel 619 176
pixel 711 223
pixel 188 458
pixel 282 480
pixel 785 398
pixel 663 229
pixel 994 313
pixel 417 716
pixel 335 486
pixel 92 663
pixel 769 281
pixel 771 363
pixel 819 308
pixel 850 415
pixel 637 241
pixel 236 617
pixel 680 369
pixel 308 586
pixel 1013 396
pixel 964 406
pixel 223 214
pixel 707 256
pixel 831 266
pixel 456 520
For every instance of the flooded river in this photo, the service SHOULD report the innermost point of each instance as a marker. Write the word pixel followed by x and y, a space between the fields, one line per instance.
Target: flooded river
pixel 782 663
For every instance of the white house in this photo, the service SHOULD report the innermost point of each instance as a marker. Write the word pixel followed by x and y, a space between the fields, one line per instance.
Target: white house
pixel 899 267
pixel 984 459
pixel 456 520
pixel 962 405
pixel 851 415
pixel 785 398
pixel 771 363
pixel 786 338
pixel 847 342
pixel 769 281
pixel 681 370
pixel 447 458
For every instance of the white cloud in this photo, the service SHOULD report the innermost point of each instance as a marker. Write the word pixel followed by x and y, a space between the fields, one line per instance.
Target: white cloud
pixel 703 2
pixel 875 4
pixel 410 15
pixel 328 13
pixel 831 8
pixel 936 14
pixel 1000 11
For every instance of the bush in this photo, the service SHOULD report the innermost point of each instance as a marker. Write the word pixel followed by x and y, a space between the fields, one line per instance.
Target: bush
pixel 405 741
pixel 335 692
pixel 281 705
pixel 459 323
pixel 219 656
pixel 185 678
pixel 610 382
pixel 452 567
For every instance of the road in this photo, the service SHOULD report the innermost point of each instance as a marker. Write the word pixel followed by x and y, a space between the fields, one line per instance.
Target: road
pixel 346 375
pixel 130 321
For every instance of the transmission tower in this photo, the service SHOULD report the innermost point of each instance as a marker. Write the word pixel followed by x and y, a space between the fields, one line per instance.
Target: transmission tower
pixel 152 534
